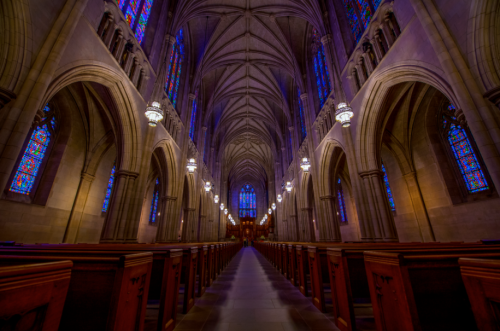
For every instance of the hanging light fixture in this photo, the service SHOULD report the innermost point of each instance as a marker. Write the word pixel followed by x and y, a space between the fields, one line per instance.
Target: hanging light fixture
pixel 305 164
pixel 216 199
pixel 221 206
pixel 225 211
pixel 273 206
pixel 279 198
pixel 269 211
pixel 191 166
pixel 154 113
pixel 344 114
pixel 265 216
pixel 289 186
pixel 208 187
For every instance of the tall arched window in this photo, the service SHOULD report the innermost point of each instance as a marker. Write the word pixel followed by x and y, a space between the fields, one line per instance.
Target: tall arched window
pixel 303 130
pixel 341 201
pixel 174 68
pixel 154 203
pixel 109 189
pixel 35 153
pixel 320 68
pixel 359 14
pixel 463 151
pixel 193 118
pixel 132 9
pixel 248 204
pixel 388 190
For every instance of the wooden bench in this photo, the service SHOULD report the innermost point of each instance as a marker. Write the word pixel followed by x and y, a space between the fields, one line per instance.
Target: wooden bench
pixel 482 282
pixel 32 296
pixel 105 292
pixel 421 289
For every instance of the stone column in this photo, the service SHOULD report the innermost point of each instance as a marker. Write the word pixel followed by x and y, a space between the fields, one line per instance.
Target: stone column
pixel 167 224
pixel 17 124
pixel 188 229
pixel 307 232
pixel 75 218
pixel 388 227
pixel 294 227
pixel 332 219
pixel 115 222
pixel 202 228
pixel 424 223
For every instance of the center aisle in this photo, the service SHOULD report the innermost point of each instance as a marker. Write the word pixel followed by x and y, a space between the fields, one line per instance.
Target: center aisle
pixel 251 295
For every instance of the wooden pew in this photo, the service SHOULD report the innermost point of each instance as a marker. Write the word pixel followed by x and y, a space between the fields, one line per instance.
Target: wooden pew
pixel 421 289
pixel 32 296
pixel 482 282
pixel 105 292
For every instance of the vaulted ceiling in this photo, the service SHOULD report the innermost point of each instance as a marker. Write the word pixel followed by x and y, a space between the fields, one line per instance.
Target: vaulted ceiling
pixel 246 54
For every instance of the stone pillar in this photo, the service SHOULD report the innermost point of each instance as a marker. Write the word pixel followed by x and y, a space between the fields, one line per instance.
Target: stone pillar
pixel 307 225
pixel 115 222
pixel 167 224
pixel 379 54
pixel 202 228
pixel 332 219
pixel 75 218
pixel 388 33
pixel 424 223
pixel 119 47
pixel 188 229
pixel 294 227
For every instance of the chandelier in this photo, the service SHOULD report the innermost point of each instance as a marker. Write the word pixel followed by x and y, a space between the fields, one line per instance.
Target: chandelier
pixel 216 199
pixel 289 186
pixel 344 114
pixel 207 187
pixel 154 113
pixel 279 198
pixel 269 211
pixel 221 206
pixel 305 164
pixel 191 166
pixel 273 206
pixel 225 211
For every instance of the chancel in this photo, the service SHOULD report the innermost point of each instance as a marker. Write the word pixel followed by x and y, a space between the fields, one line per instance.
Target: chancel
pixel 249 165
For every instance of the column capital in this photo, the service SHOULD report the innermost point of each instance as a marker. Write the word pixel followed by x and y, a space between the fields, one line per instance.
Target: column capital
pixel 126 173
pixel 170 39
pixel 204 128
pixel 371 173
pixel 325 39
pixel 291 128
pixel 88 177
pixel 168 198
pixel 327 197
pixel 192 96
pixel 303 96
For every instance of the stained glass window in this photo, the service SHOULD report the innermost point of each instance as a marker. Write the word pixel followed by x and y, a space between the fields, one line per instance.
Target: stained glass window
pixel 376 3
pixel 120 3
pixel 464 153
pixel 193 120
pixel 353 20
pixel 174 68
pixel 143 20
pixel 320 69
pixel 364 11
pixel 154 203
pixel 248 204
pixel 388 190
pixel 34 154
pixel 109 189
pixel 205 148
pixel 131 12
pixel 340 197
pixel 302 118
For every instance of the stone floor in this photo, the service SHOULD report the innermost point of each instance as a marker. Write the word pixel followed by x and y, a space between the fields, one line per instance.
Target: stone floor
pixel 251 295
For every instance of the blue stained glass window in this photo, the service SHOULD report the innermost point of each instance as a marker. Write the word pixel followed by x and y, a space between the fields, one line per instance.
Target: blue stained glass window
pixel 154 203
pixel 193 120
pixel 109 189
pixel 143 20
pixel 175 68
pixel 131 12
pixel 302 118
pixel 340 197
pixel 205 148
pixel 320 69
pixel 376 3
pixel 353 20
pixel 364 11
pixel 248 204
pixel 120 3
pixel 388 190
pixel 34 154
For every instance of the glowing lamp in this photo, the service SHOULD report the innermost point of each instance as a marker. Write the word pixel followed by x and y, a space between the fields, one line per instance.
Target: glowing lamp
pixel 225 211
pixel 305 164
pixel 344 114
pixel 154 113
pixel 269 211
pixel 208 187
pixel 216 199
pixel 191 165
pixel 273 206
pixel 221 206
pixel 279 198
pixel 289 186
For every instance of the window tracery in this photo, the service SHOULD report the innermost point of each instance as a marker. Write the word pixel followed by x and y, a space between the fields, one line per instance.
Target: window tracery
pixel 193 118
pixel 248 204
pixel 132 10
pixel 303 130
pixel 174 68
pixel 34 154
pixel 320 68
